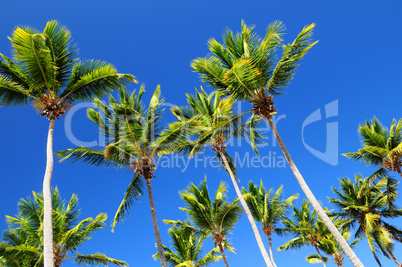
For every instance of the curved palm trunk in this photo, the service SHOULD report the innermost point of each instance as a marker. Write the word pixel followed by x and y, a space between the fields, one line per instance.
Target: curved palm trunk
pixel 311 198
pixel 47 199
pixel 223 254
pixel 248 212
pixel 161 251
pixel 270 250
pixel 319 255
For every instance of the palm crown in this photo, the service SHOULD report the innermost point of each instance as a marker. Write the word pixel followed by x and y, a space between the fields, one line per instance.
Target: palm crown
pixel 307 228
pixel 187 245
pixel 368 205
pixel 23 240
pixel 215 216
pixel 244 65
pixel 305 225
pixel 266 207
pixel 47 72
pixel 209 119
pixel 380 146
pixel 329 246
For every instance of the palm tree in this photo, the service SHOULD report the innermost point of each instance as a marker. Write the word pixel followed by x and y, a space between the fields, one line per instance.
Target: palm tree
pixel 46 72
pixel 367 205
pixel 380 146
pixel 244 67
pixel 210 120
pixel 22 242
pixel 307 228
pixel 131 132
pixel 329 246
pixel 267 209
pixel 187 247
pixel 216 217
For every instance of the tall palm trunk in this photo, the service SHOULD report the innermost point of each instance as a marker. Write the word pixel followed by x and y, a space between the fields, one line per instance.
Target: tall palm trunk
pixel 319 255
pixel 223 254
pixel 47 199
pixel 248 212
pixel 155 223
pixel 311 198
pixel 270 249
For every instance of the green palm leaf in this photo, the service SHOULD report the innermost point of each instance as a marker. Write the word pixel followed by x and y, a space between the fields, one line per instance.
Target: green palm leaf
pixel 133 192
pixel 96 259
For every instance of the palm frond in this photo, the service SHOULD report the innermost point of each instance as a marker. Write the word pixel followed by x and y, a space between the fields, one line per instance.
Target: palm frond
pixel 315 258
pixel 34 56
pixel 92 79
pixel 13 94
pixel 97 259
pixel 133 192
pixel 284 70
pixel 62 51
pixel 86 155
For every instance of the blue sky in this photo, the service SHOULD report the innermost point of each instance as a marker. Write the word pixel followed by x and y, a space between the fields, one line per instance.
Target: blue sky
pixel 356 63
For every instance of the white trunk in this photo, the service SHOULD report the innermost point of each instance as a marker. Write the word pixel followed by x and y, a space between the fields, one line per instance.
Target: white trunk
pixel 313 201
pixel 248 213
pixel 47 199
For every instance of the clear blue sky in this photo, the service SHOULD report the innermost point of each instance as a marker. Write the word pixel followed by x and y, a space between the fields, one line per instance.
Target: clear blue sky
pixel 356 62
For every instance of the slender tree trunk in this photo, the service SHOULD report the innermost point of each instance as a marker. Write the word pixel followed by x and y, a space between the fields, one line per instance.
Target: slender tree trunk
pixel 161 251
pixel 319 255
pixel 270 250
pixel 223 254
pixel 311 198
pixel 48 254
pixel 248 212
